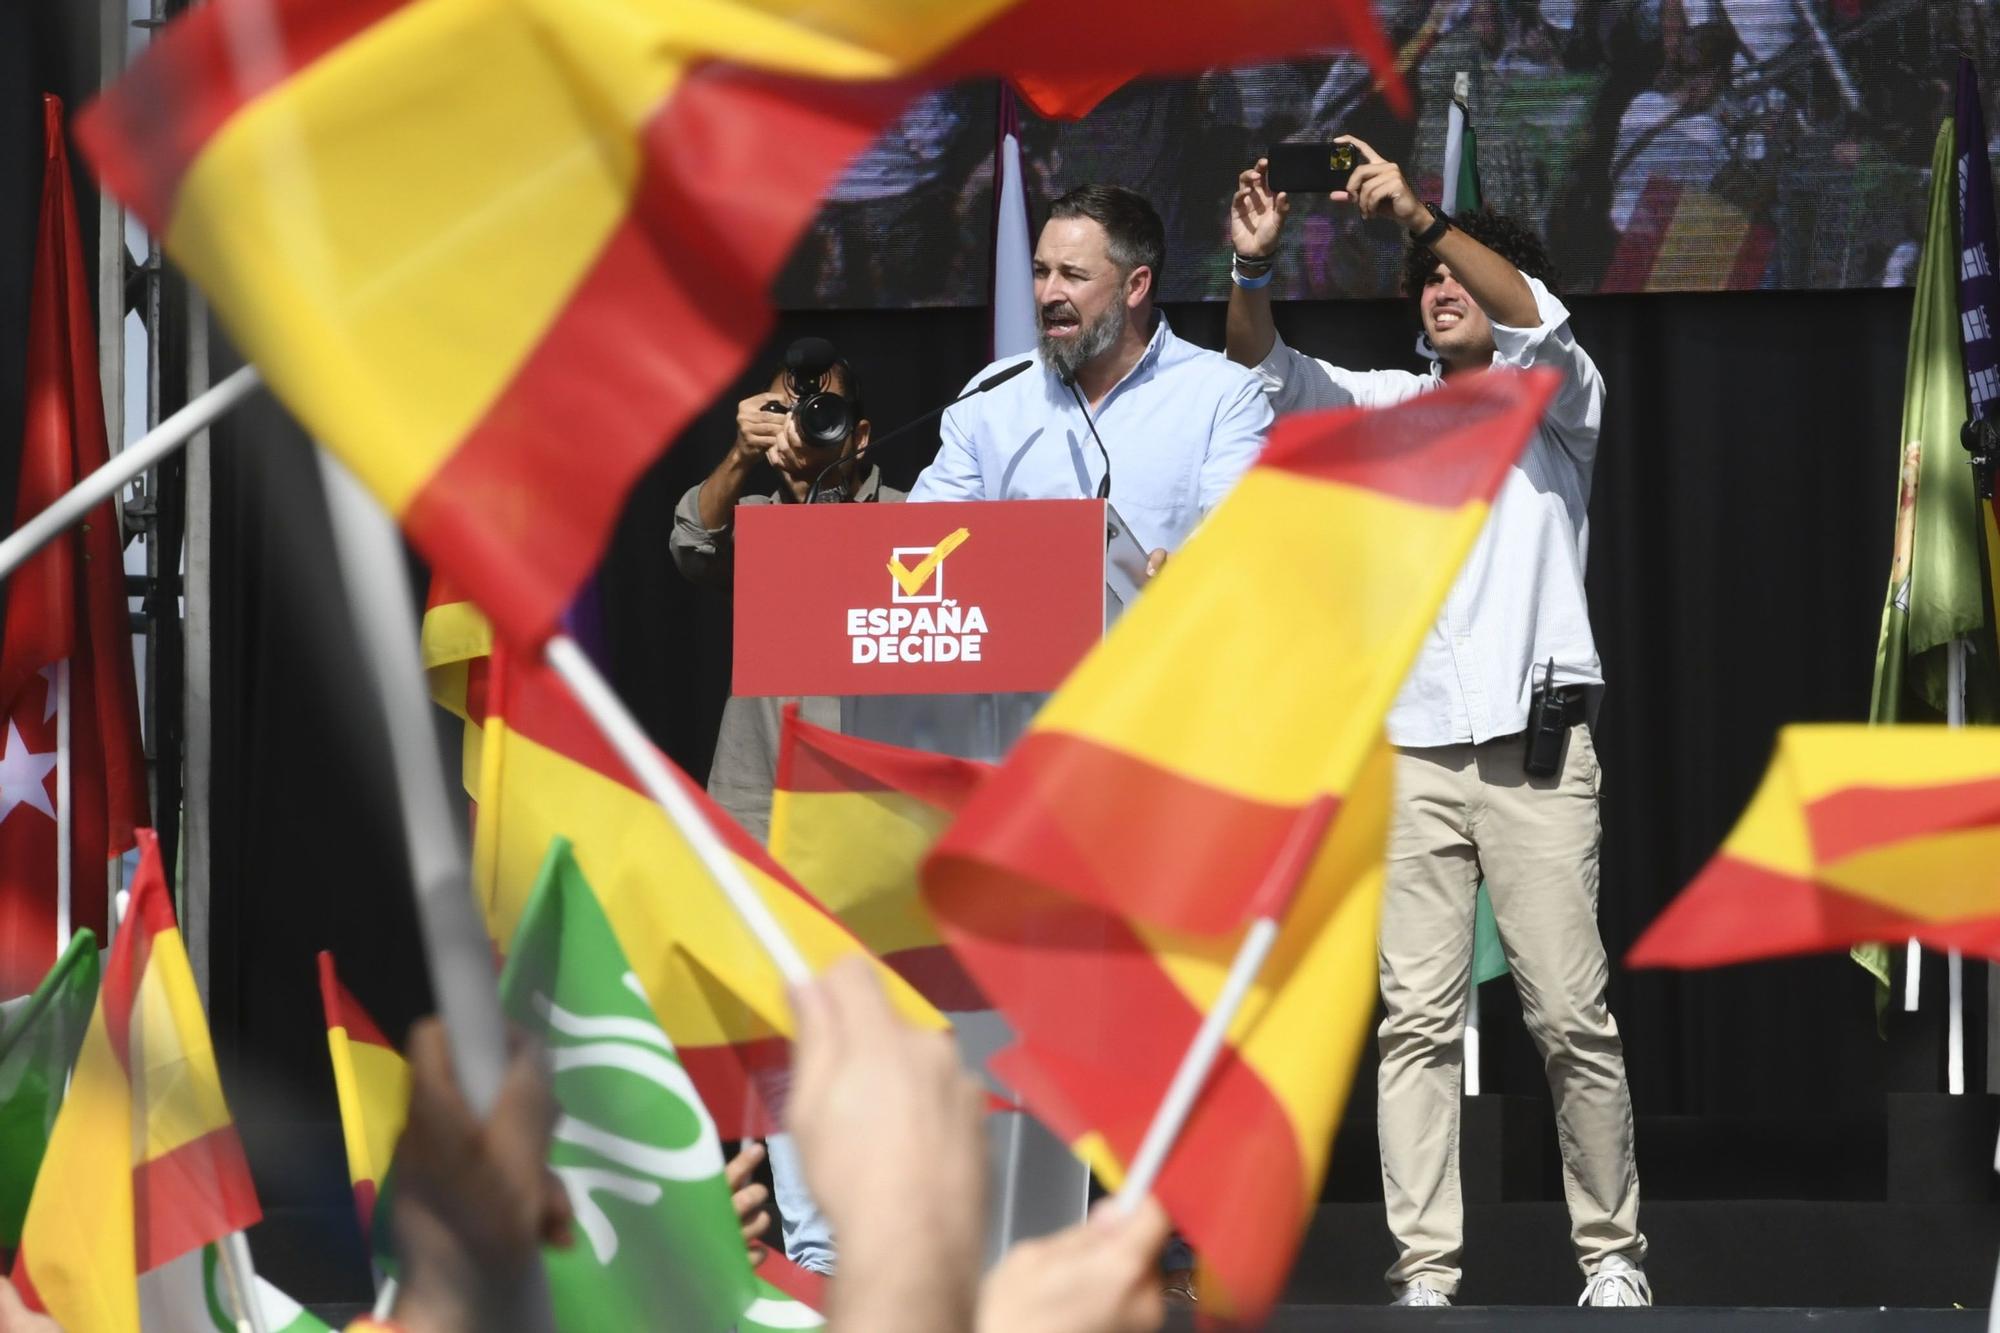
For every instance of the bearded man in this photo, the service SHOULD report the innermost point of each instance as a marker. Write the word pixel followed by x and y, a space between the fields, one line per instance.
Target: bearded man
pixel 1179 424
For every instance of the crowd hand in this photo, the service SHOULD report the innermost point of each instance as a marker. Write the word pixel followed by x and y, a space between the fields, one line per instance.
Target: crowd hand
pixel 891 1134
pixel 792 456
pixel 1378 189
pixel 475 1201
pixel 1101 1276
pixel 749 1197
pixel 1256 215
pixel 16 1317
pixel 757 430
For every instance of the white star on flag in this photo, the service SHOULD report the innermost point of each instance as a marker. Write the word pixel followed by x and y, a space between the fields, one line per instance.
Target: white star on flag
pixel 24 776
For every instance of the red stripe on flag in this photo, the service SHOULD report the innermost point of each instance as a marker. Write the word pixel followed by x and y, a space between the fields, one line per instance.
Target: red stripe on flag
pixel 143 137
pixel 147 912
pixel 1858 819
pixel 364 1206
pixel 1753 257
pixel 741 1084
pixel 826 762
pixel 1435 449
pixel 343 1010
pixel 938 976
pixel 1735 911
pixel 1639 245
pixel 1102 1028
pixel 1059 812
pixel 186 1198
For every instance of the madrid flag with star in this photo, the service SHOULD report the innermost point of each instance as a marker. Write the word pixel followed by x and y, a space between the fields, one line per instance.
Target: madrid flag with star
pixel 66 621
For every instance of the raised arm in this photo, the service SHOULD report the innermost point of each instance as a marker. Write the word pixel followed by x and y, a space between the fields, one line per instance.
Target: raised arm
pixel 1379 190
pixel 1256 226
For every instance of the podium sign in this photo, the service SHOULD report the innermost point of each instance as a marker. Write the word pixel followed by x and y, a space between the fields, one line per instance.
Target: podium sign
pixel 1003 596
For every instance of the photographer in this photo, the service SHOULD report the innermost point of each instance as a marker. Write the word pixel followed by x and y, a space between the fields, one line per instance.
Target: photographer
pixel 809 418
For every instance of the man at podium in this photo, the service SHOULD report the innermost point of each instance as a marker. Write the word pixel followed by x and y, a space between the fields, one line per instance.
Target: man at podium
pixel 1114 392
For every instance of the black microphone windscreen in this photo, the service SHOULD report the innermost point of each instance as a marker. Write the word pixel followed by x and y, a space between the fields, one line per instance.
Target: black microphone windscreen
pixel 1000 377
pixel 810 358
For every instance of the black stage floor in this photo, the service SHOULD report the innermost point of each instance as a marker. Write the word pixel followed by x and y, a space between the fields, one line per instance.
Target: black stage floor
pixel 1558 1319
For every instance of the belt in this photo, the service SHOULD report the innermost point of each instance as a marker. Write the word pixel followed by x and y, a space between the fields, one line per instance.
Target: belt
pixel 1573 703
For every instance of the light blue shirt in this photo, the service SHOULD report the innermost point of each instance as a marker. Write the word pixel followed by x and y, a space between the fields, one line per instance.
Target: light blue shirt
pixel 1181 429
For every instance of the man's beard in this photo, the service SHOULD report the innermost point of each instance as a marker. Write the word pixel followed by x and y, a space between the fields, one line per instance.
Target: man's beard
pixel 1066 356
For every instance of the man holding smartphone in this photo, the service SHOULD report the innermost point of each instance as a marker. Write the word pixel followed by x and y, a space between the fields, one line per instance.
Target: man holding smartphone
pixel 1496 771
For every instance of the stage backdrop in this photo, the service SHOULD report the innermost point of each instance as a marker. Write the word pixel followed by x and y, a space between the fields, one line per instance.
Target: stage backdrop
pixel 1664 145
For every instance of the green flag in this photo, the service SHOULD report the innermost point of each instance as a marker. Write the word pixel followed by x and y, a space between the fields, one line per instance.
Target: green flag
pixel 39 1037
pixel 635 1147
pixel 1936 589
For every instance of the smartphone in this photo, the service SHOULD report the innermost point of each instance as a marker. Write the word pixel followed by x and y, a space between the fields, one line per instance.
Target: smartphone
pixel 1310 168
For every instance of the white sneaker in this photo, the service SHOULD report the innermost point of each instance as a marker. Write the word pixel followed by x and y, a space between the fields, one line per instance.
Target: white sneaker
pixel 1618 1282
pixel 1418 1293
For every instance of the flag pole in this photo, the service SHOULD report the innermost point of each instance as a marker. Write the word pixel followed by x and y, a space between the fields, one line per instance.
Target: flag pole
pixel 1454 161
pixel 1954 708
pixel 615 721
pixel 241 1274
pixel 123 467
pixel 65 820
pixel 457 952
pixel 1274 896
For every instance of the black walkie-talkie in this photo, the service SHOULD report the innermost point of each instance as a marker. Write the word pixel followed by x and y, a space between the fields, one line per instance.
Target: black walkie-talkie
pixel 1548 731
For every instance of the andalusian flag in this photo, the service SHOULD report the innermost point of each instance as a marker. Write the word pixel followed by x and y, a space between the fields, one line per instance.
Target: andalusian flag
pixel 144 1164
pixel 852 820
pixel 372 1081
pixel 636 1149
pixel 496 253
pixel 1098 884
pixel 1857 833
pixel 191 1295
pixel 39 1038
pixel 546 772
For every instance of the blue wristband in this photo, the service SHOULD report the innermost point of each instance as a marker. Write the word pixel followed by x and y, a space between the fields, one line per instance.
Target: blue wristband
pixel 1250 284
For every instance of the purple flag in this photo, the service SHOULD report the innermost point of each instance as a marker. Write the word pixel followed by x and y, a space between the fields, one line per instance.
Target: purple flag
pixel 1978 285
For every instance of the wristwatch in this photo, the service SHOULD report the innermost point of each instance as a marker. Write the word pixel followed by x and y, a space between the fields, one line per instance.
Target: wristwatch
pixel 1440 224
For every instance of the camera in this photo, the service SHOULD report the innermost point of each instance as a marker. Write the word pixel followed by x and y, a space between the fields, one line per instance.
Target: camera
pixel 825 418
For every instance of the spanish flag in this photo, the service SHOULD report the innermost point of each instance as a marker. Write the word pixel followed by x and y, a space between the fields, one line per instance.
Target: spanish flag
pixel 852 820
pixel 546 772
pixel 144 1164
pixel 497 253
pixel 371 1080
pixel 1098 885
pixel 1857 833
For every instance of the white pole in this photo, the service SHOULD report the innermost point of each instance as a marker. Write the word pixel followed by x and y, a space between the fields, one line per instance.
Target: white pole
pixel 1913 970
pixel 65 819
pixel 1197 1064
pixel 1954 715
pixel 241 1275
pixel 629 739
pixel 1472 1044
pixel 1454 139
pixel 123 467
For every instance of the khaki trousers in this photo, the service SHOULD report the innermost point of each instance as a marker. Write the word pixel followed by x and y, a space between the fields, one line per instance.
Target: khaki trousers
pixel 1462 810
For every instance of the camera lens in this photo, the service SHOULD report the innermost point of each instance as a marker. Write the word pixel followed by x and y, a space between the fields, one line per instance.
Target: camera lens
pixel 823 418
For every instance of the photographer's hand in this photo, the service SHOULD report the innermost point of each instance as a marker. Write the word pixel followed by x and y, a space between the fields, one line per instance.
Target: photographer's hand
pixel 757 430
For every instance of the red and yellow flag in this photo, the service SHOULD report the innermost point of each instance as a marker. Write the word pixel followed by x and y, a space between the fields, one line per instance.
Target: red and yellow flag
pixel 496 253
pixel 143 1164
pixel 1098 884
pixel 372 1081
pixel 852 819
pixel 545 771
pixel 1857 833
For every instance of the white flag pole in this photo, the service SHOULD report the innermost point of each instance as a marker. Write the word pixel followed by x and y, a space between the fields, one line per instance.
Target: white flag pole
pixel 241 1275
pixel 1913 971
pixel 456 950
pixel 1454 158
pixel 1275 895
pixel 65 820
pixel 568 660
pixel 124 467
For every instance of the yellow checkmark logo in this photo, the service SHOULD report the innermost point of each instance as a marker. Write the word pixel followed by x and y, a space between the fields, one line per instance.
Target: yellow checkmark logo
pixel 912 579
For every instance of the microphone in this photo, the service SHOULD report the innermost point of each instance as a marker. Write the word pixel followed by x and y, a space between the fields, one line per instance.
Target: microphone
pixel 806 362
pixel 1103 487
pixel 838 495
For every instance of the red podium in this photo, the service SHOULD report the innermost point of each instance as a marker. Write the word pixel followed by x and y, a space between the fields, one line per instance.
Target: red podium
pixel 941 627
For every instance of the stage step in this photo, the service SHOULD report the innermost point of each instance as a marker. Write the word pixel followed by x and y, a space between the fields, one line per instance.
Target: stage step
pixel 1525 1319
pixel 1715 1252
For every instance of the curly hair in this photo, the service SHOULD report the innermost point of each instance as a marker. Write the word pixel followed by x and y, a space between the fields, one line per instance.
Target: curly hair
pixel 1511 240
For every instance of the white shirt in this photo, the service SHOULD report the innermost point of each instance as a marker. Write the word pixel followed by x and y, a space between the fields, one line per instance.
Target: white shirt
pixel 1181 428
pixel 1519 600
